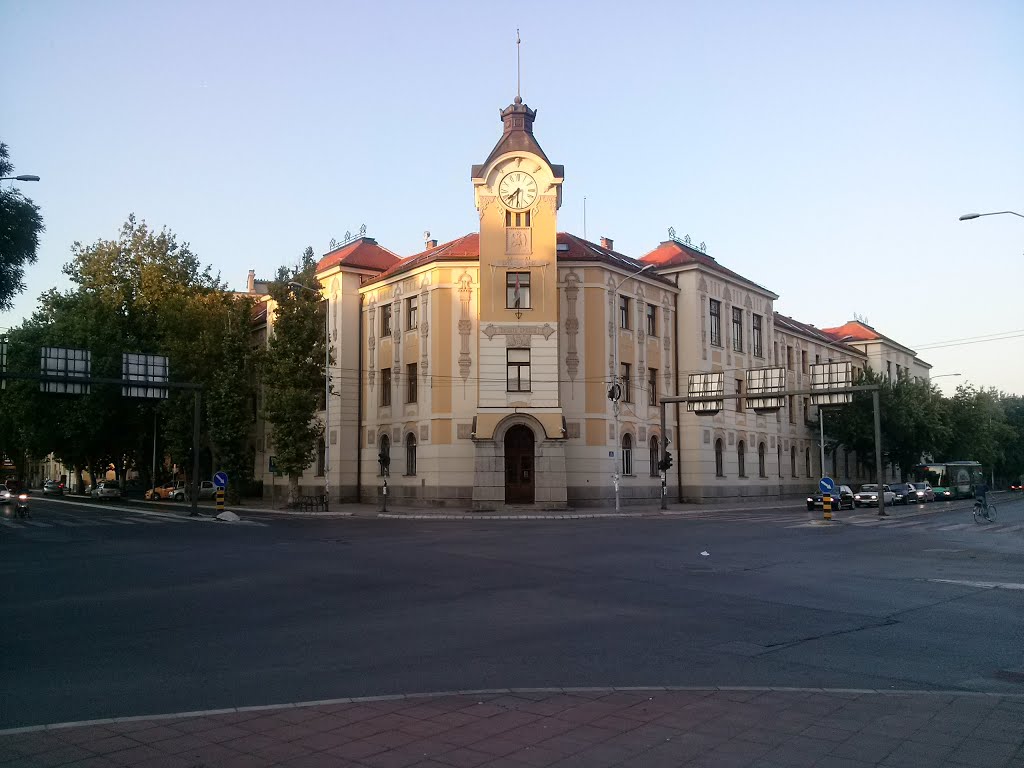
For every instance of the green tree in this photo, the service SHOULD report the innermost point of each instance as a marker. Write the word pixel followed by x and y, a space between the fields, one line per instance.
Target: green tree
pixel 978 427
pixel 293 371
pixel 912 415
pixel 20 226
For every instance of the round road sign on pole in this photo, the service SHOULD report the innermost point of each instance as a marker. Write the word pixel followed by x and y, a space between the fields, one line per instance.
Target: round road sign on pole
pixel 221 479
pixel 826 485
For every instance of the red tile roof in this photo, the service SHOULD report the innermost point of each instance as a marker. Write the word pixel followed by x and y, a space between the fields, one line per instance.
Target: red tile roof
pixel 856 330
pixel 574 248
pixel 465 248
pixel 361 253
pixel 672 253
pixel 787 323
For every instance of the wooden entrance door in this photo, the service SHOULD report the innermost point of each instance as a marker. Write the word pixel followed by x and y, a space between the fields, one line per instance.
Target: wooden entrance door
pixel 519 465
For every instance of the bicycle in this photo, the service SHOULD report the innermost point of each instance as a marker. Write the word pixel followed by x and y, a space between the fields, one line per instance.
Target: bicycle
pixel 982 509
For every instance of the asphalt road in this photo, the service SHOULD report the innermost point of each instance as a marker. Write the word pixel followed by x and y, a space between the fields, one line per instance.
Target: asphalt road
pixel 115 613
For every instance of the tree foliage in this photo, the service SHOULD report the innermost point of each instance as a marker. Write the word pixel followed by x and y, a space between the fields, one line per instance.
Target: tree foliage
pixel 293 370
pixel 912 415
pixel 20 227
pixel 147 293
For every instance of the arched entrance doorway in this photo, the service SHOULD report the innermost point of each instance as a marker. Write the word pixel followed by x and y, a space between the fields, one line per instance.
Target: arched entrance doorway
pixel 519 474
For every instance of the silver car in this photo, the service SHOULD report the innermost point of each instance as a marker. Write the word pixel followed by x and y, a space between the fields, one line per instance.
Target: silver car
pixel 107 490
pixel 923 492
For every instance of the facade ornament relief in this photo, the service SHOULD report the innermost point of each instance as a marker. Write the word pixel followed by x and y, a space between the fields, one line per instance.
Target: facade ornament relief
pixel 483 203
pixel 465 325
pixel 572 324
pixel 518 330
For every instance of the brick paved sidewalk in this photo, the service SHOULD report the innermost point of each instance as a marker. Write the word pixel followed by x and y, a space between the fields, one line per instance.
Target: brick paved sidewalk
pixel 588 728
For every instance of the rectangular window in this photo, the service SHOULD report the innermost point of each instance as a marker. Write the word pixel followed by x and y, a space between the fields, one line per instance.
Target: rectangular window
pixel 385 320
pixel 792 411
pixel 817 359
pixel 652 320
pixel 652 386
pixel 716 322
pixel 739 391
pixel 803 361
pixel 789 357
pixel 412 310
pixel 807 410
pixel 888 369
pixel 758 348
pixel 737 329
pixel 627 390
pixel 410 383
pixel 518 364
pixel 624 312
pixel 517 219
pixel 517 290
pixel 385 387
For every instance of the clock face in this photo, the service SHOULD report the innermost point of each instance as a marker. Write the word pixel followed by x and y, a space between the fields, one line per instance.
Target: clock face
pixel 517 190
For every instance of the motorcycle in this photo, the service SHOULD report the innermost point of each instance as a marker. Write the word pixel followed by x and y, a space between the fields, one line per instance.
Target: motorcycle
pixel 21 506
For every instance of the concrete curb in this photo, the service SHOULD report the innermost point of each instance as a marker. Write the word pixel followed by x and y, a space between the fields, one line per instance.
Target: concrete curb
pixel 512 691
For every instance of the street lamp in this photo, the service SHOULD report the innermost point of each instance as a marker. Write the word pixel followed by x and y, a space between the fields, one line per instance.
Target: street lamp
pixel 942 375
pixel 23 177
pixel 821 413
pixel 969 216
pixel 617 388
pixel 327 390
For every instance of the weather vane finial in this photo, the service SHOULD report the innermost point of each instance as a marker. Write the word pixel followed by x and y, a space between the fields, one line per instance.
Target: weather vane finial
pixel 519 96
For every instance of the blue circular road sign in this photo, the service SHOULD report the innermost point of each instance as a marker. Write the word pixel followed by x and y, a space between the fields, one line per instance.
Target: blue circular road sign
pixel 221 479
pixel 826 485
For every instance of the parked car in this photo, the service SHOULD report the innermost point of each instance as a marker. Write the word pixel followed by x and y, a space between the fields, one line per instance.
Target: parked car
pixel 109 489
pixel 53 488
pixel 903 493
pixel 923 492
pixel 868 495
pixel 161 491
pixel 207 490
pixel 841 497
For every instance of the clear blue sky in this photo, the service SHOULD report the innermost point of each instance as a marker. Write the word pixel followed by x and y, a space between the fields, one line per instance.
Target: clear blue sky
pixel 824 150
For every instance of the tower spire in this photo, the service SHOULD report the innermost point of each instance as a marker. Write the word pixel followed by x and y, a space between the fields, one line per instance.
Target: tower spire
pixel 519 96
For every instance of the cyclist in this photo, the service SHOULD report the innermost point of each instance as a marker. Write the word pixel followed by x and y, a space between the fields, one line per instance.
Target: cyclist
pixel 981 493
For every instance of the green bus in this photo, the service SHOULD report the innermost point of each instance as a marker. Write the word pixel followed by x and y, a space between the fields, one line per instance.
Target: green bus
pixel 951 479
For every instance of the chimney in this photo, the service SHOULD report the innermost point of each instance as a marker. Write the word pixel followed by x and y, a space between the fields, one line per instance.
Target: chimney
pixel 428 244
pixel 606 243
pixel 250 284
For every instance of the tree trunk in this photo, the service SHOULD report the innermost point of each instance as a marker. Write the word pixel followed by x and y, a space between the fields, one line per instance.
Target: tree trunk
pixel 293 490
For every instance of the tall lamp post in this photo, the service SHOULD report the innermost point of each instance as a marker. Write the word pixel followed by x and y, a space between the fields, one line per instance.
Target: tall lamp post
pixel 23 177
pixel 821 413
pixel 616 387
pixel 327 388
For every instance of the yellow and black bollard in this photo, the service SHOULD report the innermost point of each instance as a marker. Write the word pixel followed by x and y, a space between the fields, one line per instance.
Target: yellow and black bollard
pixel 220 500
pixel 826 505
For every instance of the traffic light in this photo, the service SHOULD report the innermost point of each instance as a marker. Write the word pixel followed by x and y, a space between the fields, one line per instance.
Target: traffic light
pixel 666 463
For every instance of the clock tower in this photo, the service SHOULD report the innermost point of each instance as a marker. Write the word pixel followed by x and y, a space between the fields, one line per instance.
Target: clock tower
pixel 518 192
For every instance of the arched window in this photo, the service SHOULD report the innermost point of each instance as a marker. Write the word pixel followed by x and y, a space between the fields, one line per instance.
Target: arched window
pixel 321 457
pixel 807 461
pixel 627 454
pixel 719 464
pixel 761 469
pixel 792 460
pixel 655 455
pixel 741 458
pixel 384 466
pixel 410 454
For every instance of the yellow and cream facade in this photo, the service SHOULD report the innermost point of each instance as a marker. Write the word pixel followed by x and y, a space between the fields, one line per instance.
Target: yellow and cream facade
pixel 481 369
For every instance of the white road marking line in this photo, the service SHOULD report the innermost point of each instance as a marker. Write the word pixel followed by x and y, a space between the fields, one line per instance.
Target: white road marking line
pixel 981 584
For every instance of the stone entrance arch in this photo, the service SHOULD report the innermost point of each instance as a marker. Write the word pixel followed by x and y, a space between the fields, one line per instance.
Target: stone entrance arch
pixel 519 464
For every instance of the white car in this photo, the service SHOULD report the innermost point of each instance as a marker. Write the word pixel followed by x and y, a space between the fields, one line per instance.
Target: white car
pixel 5 495
pixel 867 496
pixel 106 490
